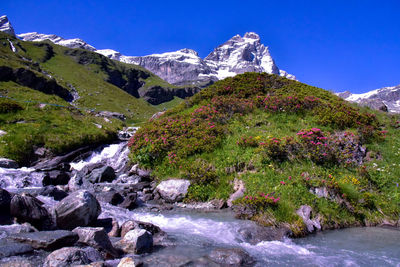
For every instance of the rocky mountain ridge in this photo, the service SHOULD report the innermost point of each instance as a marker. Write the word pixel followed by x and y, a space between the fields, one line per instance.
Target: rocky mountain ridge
pixel 385 99
pixel 237 55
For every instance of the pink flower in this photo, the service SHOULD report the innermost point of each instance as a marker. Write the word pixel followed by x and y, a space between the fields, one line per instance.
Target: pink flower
pixel 282 182
pixel 290 177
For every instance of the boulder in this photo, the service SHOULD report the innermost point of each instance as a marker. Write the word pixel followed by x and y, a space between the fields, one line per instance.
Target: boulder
pixel 311 224
pixel 173 190
pixel 66 257
pixel 2 133
pixel 78 209
pixel 110 225
pixel 109 114
pixel 5 201
pixel 129 202
pixel 111 196
pixel 54 192
pixel 239 188
pixel 97 238
pixel 101 175
pixel 158 235
pixel 129 262
pixel 136 241
pixel 47 240
pixel 9 248
pixel 8 163
pixel 256 234
pixel 27 208
pixel 56 178
pixel 7 230
pixel 231 257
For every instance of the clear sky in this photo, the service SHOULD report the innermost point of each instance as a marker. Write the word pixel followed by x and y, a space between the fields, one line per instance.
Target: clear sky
pixel 337 45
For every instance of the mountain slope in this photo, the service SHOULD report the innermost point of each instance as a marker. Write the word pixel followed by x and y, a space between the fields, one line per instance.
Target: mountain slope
pixel 288 143
pixel 58 99
pixel 386 98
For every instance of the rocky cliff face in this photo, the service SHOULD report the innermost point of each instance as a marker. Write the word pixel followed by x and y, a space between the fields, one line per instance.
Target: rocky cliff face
pixel 388 97
pixel 5 26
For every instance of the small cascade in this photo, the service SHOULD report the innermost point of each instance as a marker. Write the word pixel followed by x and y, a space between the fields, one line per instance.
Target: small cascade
pixel 12 46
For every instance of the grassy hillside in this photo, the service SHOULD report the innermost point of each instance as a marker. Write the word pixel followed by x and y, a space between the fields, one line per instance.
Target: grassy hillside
pixel 42 72
pixel 288 142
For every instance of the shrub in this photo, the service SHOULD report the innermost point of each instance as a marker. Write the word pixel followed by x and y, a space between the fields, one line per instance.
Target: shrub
pixel 248 141
pixel 201 172
pixel 8 106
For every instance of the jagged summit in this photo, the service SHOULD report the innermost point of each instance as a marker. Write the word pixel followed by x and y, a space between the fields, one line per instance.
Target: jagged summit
pixel 5 26
pixel 185 66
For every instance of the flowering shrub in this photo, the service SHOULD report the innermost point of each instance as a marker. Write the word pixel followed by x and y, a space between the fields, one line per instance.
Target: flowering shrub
pixel 247 141
pixel 259 202
pixel 282 103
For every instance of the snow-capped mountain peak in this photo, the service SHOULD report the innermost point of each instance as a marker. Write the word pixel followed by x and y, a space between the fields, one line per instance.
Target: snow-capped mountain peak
pixel 378 99
pixel 71 43
pixel 5 26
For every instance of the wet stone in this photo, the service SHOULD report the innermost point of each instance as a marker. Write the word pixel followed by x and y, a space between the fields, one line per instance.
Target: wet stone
pixel 10 248
pixel 47 240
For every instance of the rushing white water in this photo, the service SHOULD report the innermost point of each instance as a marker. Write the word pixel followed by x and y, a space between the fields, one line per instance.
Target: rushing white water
pixel 198 233
pixel 20 178
pixel 115 155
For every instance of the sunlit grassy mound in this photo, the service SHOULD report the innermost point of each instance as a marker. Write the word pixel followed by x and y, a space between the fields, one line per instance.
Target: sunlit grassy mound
pixel 286 141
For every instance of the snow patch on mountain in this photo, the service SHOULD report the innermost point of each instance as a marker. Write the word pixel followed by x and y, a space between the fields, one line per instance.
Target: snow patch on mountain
pixel 5 26
pixel 71 43
pixel 389 96
pixel 185 66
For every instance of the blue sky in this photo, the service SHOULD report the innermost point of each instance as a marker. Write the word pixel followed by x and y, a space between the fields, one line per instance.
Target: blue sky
pixel 335 45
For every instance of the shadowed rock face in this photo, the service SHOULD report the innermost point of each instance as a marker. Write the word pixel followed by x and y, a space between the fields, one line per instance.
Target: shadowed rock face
pixel 30 79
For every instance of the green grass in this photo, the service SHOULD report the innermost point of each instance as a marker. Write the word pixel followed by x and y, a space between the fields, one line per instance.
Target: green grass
pixel 61 129
pixel 359 194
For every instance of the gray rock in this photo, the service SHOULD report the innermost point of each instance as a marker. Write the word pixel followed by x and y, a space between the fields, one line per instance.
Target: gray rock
pixel 67 257
pixel 111 196
pixel 129 262
pixel 96 237
pixel 109 114
pixel 376 104
pixel 8 163
pixel 110 225
pixel 103 174
pixel 27 208
pixel 7 230
pixel 256 234
pixel 159 236
pixel 136 241
pixel 54 192
pixel 78 209
pixel 56 178
pixel 47 240
pixel 173 190
pixel 5 200
pixel 239 191
pixel 320 192
pixel 129 202
pixel 305 213
pixel 231 257
pixel 2 133
pixel 10 248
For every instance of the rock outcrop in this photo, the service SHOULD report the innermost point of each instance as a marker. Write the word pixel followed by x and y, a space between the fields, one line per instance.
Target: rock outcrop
pixel 5 26
pixel 173 190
